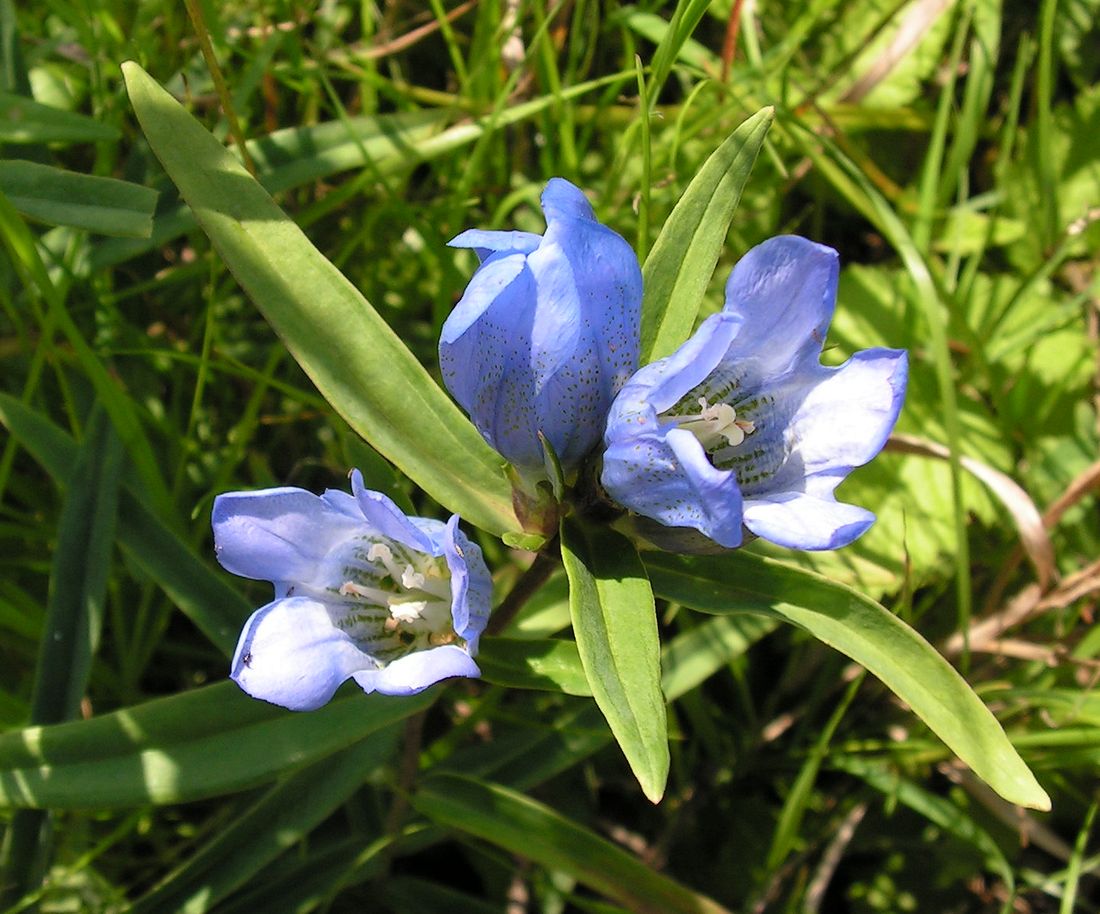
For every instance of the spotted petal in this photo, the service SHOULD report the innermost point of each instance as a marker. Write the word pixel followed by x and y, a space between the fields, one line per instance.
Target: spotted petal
pixel 545 333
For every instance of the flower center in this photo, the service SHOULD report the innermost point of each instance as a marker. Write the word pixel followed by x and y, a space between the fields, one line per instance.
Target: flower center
pixel 417 599
pixel 717 427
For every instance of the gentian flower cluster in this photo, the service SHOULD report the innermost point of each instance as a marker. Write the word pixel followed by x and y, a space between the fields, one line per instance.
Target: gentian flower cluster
pixel 741 432
pixel 361 591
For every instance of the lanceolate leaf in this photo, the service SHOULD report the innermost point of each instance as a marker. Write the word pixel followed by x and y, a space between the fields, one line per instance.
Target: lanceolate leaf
pixel 679 267
pixel 58 197
pixel 203 743
pixel 74 618
pixel 866 632
pixel 615 625
pixel 551 664
pixel 354 358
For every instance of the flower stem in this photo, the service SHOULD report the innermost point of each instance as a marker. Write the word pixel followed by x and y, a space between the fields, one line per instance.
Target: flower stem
pixel 546 561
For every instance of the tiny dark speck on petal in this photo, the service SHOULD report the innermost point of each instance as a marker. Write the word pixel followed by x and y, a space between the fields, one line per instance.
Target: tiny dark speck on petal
pixel 246 660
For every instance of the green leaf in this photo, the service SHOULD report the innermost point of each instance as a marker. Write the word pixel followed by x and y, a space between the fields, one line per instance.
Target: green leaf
pixel 200 592
pixel 615 624
pixel 74 619
pixel 678 269
pixel 350 353
pixel 78 579
pixel 694 656
pixel 550 664
pixel 523 826
pixel 59 197
pixel 685 18
pixel 280 819
pixel 203 743
pixel 26 121
pixel 859 627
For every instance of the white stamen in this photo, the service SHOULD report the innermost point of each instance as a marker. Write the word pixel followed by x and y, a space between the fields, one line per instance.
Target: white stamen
pixel 412 580
pixel 713 423
pixel 405 613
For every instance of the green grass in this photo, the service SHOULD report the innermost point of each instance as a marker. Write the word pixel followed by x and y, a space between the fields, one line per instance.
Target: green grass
pixel 958 175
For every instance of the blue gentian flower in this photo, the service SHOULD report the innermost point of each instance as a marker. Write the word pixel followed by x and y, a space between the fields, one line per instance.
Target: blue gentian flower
pixel 545 334
pixel 742 427
pixel 397 603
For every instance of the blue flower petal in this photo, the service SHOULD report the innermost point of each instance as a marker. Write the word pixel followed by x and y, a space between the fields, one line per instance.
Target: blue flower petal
pixel 487 243
pixel 471 585
pixel 276 534
pixel 800 521
pixel 291 654
pixel 784 291
pixel 563 200
pixel 415 672
pixel 847 414
pixel 390 521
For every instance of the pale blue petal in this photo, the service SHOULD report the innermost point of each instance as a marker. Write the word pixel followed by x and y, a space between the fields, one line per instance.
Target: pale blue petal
pixel 486 243
pixel 607 280
pixel 784 291
pixel 415 672
pixel 471 585
pixel 665 475
pixel 382 516
pixel 564 200
pixel 344 502
pixel 800 521
pixel 485 357
pixel 292 655
pixel 672 378
pixel 276 534
pixel 849 412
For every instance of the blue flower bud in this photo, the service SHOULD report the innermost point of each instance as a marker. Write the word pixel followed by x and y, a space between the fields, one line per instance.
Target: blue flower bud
pixel 546 333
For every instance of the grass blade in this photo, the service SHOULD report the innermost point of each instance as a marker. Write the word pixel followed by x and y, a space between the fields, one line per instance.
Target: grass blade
pixel 58 197
pixel 678 269
pixel 526 827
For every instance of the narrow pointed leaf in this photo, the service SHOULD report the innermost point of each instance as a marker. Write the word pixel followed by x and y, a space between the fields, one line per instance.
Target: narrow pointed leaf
pixel 679 267
pixel 25 121
pixel 615 624
pixel 78 579
pixel 74 618
pixel 58 197
pixel 861 628
pixel 526 827
pixel 162 751
pixel 351 354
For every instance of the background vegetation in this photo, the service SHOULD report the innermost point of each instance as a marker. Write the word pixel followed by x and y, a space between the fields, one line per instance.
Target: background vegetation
pixel 947 149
